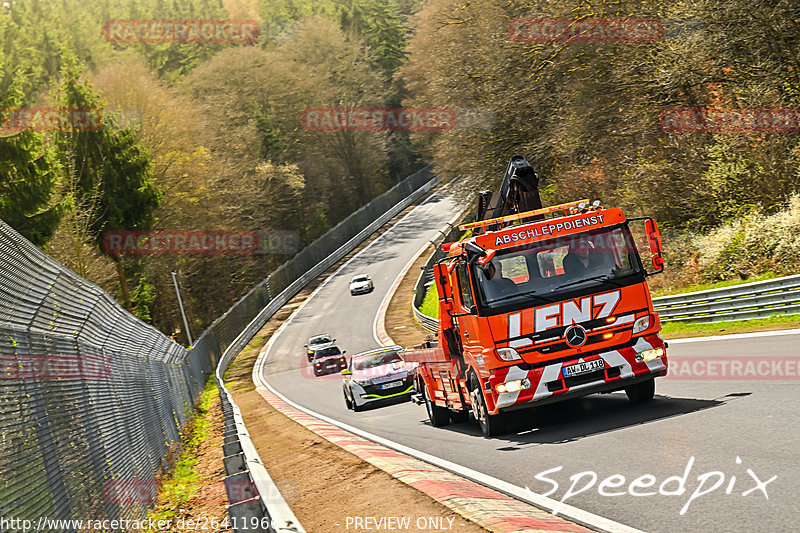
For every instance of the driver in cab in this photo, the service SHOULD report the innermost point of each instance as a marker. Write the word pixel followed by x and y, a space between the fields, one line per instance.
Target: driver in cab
pixel 495 286
pixel 582 259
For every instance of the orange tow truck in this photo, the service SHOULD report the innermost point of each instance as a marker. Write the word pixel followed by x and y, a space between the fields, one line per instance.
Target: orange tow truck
pixel 538 306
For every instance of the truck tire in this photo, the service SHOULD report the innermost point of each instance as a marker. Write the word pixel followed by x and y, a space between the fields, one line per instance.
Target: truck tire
pixel 439 416
pixel 641 392
pixel 490 425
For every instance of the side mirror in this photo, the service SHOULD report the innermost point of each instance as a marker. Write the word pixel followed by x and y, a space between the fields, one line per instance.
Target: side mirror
pixel 654 240
pixel 334 340
pixel 344 352
pixel 346 372
pixel 483 262
pixel 305 345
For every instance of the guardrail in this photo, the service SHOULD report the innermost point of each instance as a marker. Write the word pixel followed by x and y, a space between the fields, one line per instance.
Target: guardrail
pixel 265 506
pixel 739 302
pixel 747 301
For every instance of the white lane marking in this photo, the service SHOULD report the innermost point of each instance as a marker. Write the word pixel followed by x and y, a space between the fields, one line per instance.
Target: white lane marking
pixel 574 514
pixel 735 336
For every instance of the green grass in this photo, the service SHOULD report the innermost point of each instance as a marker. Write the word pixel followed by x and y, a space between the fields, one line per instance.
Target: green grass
pixel 718 285
pixel 430 305
pixel 675 330
pixel 183 484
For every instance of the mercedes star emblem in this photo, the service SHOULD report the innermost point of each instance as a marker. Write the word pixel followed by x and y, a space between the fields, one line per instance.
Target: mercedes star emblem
pixel 575 335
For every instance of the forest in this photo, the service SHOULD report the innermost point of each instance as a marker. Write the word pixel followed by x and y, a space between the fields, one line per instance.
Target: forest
pixel 210 134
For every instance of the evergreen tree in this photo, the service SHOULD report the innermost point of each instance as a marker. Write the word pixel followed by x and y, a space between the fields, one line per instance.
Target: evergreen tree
pixel 110 171
pixel 28 177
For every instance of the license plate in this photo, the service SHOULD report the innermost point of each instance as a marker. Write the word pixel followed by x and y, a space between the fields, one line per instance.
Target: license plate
pixel 391 384
pixel 583 368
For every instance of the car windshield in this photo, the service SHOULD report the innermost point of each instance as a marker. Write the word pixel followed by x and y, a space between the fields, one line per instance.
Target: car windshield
pixel 359 279
pixel 322 339
pixel 547 270
pixel 327 352
pixel 376 360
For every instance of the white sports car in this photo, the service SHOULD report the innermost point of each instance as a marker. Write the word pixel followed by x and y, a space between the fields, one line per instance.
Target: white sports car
pixel 378 376
pixel 361 284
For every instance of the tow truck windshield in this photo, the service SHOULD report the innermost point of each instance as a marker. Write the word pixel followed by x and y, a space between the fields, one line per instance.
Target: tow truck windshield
pixel 550 270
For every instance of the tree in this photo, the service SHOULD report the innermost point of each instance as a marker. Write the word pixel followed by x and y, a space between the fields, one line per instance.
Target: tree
pixel 28 178
pixel 108 164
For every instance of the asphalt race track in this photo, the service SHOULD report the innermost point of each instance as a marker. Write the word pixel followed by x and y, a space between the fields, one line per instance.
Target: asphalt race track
pixel 710 422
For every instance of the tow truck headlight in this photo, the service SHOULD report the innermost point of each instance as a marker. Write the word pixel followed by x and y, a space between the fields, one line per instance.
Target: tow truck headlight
pixel 508 354
pixel 513 386
pixel 641 324
pixel 363 382
pixel 649 355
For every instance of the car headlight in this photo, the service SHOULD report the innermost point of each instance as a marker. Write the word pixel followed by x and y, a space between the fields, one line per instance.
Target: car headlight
pixel 641 324
pixel 649 355
pixel 508 354
pixel 363 382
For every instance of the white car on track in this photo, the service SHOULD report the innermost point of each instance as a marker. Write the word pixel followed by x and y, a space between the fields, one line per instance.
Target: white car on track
pixel 378 376
pixel 361 284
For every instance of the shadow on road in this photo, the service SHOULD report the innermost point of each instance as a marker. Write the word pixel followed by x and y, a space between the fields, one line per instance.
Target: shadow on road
pixel 573 420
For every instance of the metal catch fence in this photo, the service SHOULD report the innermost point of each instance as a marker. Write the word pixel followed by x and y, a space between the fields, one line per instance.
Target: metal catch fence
pixel 93 401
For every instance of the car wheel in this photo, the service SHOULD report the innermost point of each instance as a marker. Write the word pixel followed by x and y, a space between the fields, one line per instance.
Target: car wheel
pixel 439 416
pixel 347 402
pixel 490 425
pixel 641 392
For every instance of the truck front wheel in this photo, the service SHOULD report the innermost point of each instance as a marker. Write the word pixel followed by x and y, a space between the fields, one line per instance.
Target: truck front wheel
pixel 490 424
pixel 641 392
pixel 439 416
